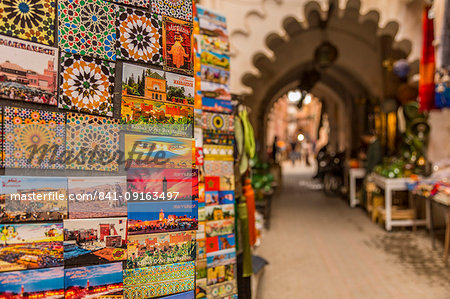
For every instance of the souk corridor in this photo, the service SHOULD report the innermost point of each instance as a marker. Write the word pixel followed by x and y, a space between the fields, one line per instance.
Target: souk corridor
pixel 317 247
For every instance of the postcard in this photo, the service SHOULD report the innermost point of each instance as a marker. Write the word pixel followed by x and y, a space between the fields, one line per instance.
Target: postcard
pixel 215 44
pixel 201 228
pixel 160 249
pixel 94 241
pixel 212 183
pixel 201 269
pixel 211 198
pixel 95 197
pixel 217 167
pixel 221 274
pixel 199 158
pixel 219 243
pixel 31 246
pixel 219 212
pixel 221 258
pixel 198 137
pixel 162 216
pixel 162 184
pixel 28 71
pixel 143 151
pixel 39 283
pixel 198 117
pixel 201 193
pixel 156 281
pixel 212 137
pixel 186 295
pixel 143 82
pixel 145 105
pixel 218 122
pixel 217 105
pixel 31 256
pixel 158 118
pixel 223 290
pixel 177 46
pixel 31 233
pixel 201 248
pixel 200 288
pixel 226 197
pixel 33 198
pixel 212 23
pixel 219 227
pixel 216 75
pixel 201 214
pixel 227 183
pixel 99 281
pixel 215 59
pixel 215 91
pixel 218 152
pixel 180 89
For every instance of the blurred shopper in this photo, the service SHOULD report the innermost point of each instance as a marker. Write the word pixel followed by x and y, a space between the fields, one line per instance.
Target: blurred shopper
pixel 374 154
pixel 294 154
pixel 275 149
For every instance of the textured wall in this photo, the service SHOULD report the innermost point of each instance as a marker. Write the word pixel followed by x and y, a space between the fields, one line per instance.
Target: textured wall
pixel 251 21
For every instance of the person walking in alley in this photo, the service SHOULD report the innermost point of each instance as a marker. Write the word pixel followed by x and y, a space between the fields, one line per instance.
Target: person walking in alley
pixel 374 155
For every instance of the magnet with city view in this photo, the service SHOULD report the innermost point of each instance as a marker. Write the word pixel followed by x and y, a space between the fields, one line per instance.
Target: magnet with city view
pixel 38 283
pixel 28 72
pixel 99 281
pixel 162 216
pixel 178 184
pixel 160 249
pixel 97 197
pixel 31 246
pixel 144 151
pixel 94 241
pixel 26 199
pixel 145 105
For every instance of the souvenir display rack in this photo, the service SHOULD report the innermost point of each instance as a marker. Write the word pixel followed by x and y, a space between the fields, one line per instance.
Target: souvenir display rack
pixel 214 137
pixel 103 93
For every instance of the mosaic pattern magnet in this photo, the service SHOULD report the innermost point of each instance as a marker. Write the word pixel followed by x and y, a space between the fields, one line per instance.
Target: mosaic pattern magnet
pixel 32 20
pixel 28 131
pixel 139 35
pixel 87 27
pixel 97 137
pixel 179 9
pixel 87 84
pixel 156 281
pixel 140 3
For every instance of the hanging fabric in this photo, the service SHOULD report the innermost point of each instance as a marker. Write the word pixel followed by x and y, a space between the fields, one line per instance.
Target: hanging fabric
pixel 427 64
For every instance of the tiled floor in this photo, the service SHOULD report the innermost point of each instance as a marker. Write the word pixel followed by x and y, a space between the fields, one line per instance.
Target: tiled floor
pixel 318 247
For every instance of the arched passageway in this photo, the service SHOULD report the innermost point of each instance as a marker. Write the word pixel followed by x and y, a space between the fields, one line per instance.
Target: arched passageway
pixel 359 76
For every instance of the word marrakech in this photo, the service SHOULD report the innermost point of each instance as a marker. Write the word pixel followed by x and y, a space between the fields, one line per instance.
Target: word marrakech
pixel 146 155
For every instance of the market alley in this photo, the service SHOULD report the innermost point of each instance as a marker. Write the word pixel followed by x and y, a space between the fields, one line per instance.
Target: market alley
pixel 318 247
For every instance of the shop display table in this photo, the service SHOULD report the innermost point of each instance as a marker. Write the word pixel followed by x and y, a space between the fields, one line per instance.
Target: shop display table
pixel 354 174
pixel 443 201
pixel 389 185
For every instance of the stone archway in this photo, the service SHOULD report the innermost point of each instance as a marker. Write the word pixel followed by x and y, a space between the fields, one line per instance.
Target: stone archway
pixel 357 73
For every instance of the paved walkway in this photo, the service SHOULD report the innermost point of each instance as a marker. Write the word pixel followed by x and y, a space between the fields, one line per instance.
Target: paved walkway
pixel 318 247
